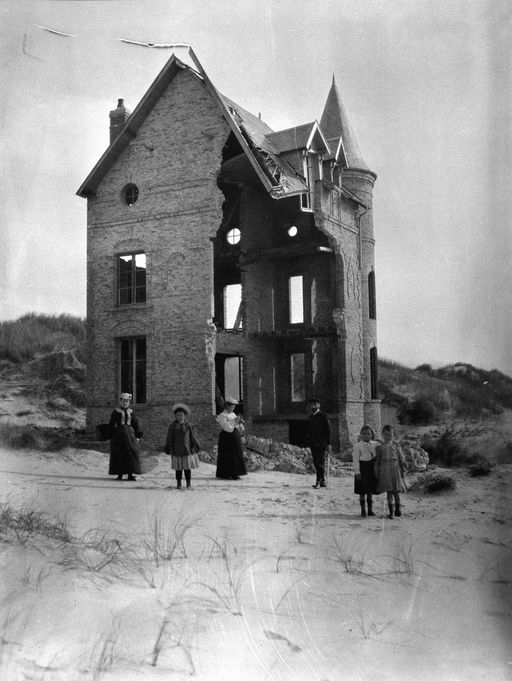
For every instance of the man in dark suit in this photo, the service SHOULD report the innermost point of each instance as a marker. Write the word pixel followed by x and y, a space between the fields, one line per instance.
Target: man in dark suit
pixel 319 439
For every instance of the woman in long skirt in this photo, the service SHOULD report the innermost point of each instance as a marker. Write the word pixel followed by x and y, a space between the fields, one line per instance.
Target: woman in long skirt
pixel 230 458
pixel 124 448
pixel 182 445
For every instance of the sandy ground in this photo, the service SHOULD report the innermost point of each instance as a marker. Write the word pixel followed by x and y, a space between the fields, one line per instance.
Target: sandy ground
pixel 263 579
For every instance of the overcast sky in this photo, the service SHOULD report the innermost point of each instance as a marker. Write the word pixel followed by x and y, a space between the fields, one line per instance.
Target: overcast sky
pixel 427 84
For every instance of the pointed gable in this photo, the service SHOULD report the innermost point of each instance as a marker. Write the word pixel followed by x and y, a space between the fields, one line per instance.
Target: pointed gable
pixel 277 176
pixel 307 136
pixel 335 124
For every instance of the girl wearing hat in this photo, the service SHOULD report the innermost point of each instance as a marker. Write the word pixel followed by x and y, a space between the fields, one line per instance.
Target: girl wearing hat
pixel 230 459
pixel 182 445
pixel 124 449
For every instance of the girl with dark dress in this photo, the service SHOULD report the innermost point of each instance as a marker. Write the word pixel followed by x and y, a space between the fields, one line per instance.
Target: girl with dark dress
pixel 390 467
pixel 230 458
pixel 182 445
pixel 124 450
pixel 365 483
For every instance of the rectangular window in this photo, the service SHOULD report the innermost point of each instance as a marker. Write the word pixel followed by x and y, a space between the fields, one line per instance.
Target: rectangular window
pixel 372 306
pixel 298 377
pixel 233 373
pixel 296 299
pixel 131 278
pixel 374 379
pixel 233 306
pixel 306 199
pixel 132 363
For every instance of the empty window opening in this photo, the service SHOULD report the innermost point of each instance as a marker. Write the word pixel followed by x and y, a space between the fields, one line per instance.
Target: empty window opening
pixel 233 378
pixel 233 306
pixel 296 299
pixel 132 364
pixel 228 379
pixel 131 272
pixel 298 377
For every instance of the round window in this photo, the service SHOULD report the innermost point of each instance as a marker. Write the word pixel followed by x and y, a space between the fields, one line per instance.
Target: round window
pixel 130 194
pixel 233 236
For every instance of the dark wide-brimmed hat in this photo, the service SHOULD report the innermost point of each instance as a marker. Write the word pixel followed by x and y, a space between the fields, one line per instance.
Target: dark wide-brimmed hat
pixel 180 406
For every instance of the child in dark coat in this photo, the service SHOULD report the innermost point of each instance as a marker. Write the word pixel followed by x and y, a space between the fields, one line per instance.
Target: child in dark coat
pixel 182 445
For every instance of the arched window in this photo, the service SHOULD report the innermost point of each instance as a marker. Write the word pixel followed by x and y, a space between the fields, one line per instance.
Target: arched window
pixel 372 305
pixel 130 194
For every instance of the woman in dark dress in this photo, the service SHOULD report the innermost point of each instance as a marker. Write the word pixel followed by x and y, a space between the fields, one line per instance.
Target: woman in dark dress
pixel 182 445
pixel 124 449
pixel 230 458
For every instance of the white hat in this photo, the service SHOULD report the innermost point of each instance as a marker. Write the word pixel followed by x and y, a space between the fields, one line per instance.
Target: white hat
pixel 180 406
pixel 125 396
pixel 231 400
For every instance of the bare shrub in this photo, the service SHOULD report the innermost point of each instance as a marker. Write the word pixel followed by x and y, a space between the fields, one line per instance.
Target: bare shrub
pixel 445 449
pixel 350 554
pixel 26 522
pixel 420 411
pixel 17 437
pixel 227 587
pixel 166 541
pixel 435 481
pixel 94 551
pixel 479 466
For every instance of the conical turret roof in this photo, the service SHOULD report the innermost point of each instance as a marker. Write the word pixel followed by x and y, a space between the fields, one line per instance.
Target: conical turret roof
pixel 335 122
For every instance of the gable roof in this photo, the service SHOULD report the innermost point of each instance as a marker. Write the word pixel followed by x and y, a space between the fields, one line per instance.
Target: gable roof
pixel 299 137
pixel 277 175
pixel 263 147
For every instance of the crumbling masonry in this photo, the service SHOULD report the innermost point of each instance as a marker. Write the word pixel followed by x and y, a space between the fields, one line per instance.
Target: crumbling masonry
pixel 227 259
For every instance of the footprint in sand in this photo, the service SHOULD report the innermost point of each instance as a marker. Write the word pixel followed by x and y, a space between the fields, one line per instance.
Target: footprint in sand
pixel 277 637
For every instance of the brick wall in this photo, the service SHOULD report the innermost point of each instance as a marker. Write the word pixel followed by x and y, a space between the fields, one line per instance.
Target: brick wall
pixel 174 161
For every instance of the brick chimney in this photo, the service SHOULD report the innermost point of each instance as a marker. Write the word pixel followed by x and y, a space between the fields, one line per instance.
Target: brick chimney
pixel 118 118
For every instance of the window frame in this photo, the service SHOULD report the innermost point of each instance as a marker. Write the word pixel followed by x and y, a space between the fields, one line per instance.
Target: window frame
pixel 135 382
pixel 133 287
pixel 130 189
pixel 306 198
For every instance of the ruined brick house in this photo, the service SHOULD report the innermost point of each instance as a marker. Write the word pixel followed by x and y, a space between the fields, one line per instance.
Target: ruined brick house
pixel 228 259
